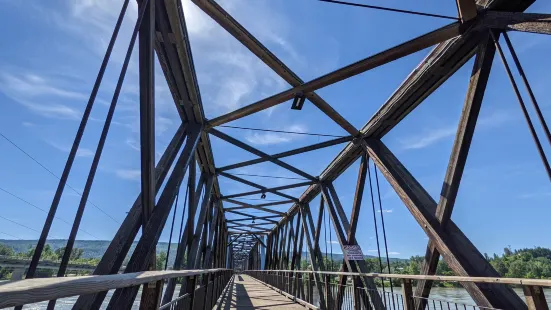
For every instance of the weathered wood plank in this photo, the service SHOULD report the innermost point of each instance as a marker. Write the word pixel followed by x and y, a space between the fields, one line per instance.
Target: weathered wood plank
pixel 15 293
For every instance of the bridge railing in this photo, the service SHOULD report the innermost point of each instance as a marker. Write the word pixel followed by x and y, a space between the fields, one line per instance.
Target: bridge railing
pixel 341 290
pixel 201 290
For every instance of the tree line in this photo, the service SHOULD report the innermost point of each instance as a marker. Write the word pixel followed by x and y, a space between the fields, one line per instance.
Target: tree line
pixel 532 263
pixel 529 263
pixel 49 254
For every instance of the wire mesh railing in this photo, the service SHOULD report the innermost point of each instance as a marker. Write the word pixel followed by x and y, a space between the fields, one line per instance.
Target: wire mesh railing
pixel 343 290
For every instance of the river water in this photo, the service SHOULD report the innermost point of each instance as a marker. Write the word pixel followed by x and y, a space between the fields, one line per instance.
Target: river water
pixel 456 295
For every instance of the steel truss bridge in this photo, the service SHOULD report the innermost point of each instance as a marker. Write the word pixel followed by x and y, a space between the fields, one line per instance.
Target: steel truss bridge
pixel 211 246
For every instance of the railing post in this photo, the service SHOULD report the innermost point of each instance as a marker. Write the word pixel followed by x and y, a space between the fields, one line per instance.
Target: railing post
pixel 206 300
pixel 214 295
pixel 310 288
pixel 407 293
pixel 191 282
pixel 328 295
pixel 356 293
pixel 288 276
pixel 535 298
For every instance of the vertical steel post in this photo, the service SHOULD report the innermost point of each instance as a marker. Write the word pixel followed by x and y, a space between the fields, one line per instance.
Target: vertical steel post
pixel 151 291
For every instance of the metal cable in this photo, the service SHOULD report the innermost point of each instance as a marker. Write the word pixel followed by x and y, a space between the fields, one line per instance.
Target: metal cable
pixel 390 9
pixel 527 85
pixel 37 207
pixel 172 226
pixel 376 229
pixel 384 231
pixel 183 215
pixel 17 223
pixel 55 175
pixel 283 131
pixel 1 232
pixel 331 243
pixel 325 233
pixel 99 149
pixel 522 105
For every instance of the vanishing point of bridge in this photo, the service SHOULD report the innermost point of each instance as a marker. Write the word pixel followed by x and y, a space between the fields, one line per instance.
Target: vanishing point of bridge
pixel 254 262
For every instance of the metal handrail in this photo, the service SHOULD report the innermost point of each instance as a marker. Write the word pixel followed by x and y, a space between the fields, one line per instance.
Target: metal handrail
pixel 518 281
pixel 21 292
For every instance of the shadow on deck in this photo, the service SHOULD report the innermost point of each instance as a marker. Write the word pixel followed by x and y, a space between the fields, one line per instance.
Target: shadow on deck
pixel 247 293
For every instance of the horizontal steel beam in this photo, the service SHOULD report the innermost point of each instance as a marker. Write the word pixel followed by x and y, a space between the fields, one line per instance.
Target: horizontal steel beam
pixel 517 21
pixel 257 208
pixel 252 184
pixel 297 151
pixel 397 52
pixel 259 153
pixel 260 191
pixel 218 14
pixel 267 204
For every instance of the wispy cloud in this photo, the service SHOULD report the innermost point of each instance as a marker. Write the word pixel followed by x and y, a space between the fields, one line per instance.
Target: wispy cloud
pixel 435 135
pixel 383 252
pixel 534 195
pixel 39 94
pixel 28 124
pixel 332 241
pixel 386 211
pixel 129 174
pixel 428 138
pixel 81 152
pixel 133 144
pixel 233 75
pixel 269 138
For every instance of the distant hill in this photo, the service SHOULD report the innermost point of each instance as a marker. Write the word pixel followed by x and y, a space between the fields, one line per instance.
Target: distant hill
pixel 92 248
pixel 96 248
pixel 340 257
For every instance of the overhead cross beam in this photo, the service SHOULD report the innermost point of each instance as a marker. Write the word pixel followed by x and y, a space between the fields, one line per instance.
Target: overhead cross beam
pixel 252 184
pixel 289 186
pixel 296 151
pixel 218 14
pixel 259 153
pixel 247 205
pixel 399 51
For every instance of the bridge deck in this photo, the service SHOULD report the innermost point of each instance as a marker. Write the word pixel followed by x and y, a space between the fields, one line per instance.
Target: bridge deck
pixel 247 293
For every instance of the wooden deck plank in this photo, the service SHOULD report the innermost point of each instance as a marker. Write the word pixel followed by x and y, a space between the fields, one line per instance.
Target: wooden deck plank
pixel 247 293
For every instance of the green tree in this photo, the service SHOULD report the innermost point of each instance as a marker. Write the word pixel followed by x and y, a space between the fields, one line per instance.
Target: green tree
pixel 161 258
pixel 76 253
pixel 6 250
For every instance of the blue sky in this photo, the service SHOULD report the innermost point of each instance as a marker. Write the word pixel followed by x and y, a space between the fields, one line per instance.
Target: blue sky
pixel 52 53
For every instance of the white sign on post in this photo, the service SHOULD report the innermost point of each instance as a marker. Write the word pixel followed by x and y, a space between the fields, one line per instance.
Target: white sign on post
pixel 353 252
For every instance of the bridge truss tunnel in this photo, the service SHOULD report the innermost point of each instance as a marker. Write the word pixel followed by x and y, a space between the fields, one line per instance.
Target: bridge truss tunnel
pixel 274 240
